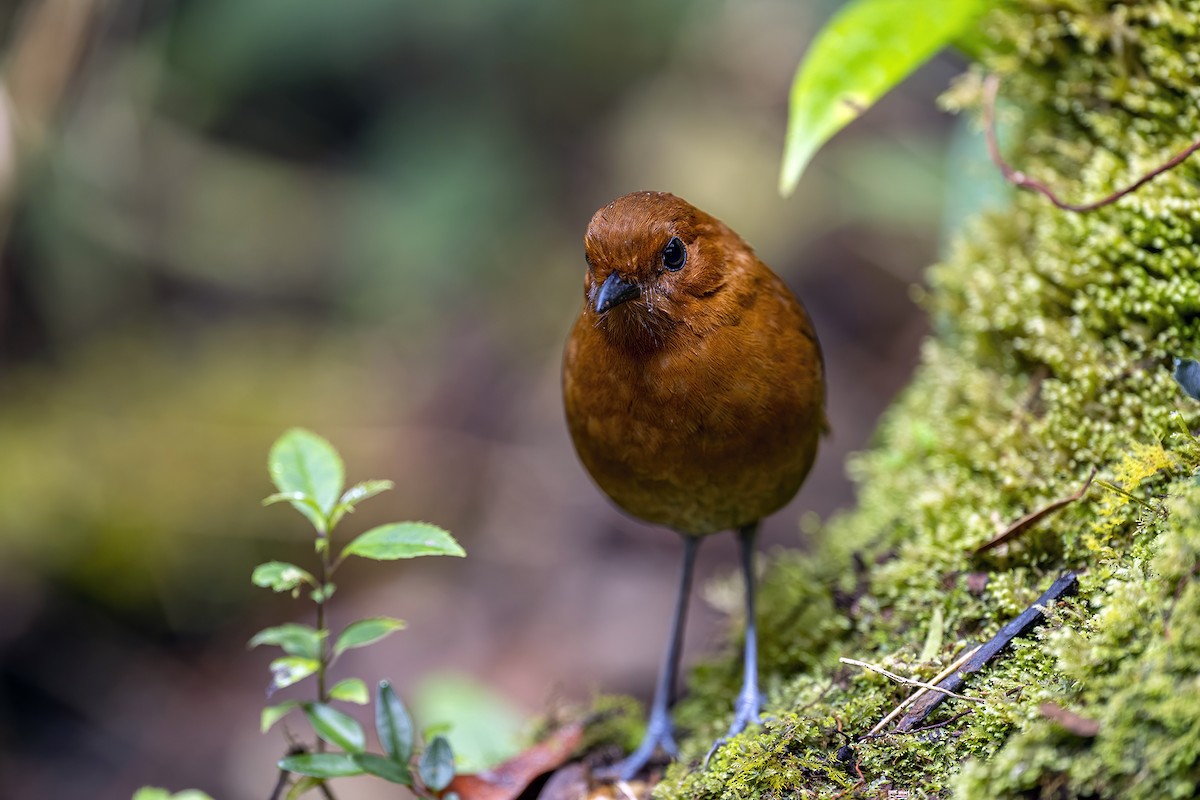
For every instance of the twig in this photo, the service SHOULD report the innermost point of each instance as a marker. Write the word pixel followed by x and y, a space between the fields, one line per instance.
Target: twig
pixel 1019 625
pixel 912 698
pixel 907 681
pixel 1022 181
pixel 1112 487
pixel 280 785
pixel 1029 520
pixel 912 731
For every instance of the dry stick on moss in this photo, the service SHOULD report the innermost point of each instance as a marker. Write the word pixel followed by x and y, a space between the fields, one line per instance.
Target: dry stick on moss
pixel 907 681
pixel 912 698
pixel 1019 625
pixel 1022 181
pixel 1029 520
pixel 922 729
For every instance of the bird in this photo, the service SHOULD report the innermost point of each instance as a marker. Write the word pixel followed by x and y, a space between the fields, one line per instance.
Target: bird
pixel 694 391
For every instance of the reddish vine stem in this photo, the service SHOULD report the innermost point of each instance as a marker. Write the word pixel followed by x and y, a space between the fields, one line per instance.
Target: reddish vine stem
pixel 991 86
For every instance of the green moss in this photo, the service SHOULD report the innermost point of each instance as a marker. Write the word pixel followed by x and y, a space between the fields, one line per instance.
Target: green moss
pixel 612 721
pixel 1054 336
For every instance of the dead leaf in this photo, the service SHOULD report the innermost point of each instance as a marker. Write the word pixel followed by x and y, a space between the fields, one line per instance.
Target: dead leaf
pixel 1029 520
pixel 1075 723
pixel 510 779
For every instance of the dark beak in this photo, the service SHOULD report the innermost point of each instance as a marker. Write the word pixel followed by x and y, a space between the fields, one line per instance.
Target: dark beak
pixel 615 291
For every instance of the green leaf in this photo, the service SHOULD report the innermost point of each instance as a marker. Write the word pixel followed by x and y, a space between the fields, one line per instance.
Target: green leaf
pixel 290 497
pixel 365 632
pixel 272 714
pixel 303 463
pixel 355 495
pixel 351 690
pixel 281 576
pixel 404 540
pixel 336 727
pixel 303 786
pixel 867 48
pixel 291 669
pixel 933 639
pixel 393 724
pixel 295 639
pixel 367 489
pixel 384 768
pixel 322 765
pixel 324 593
pixel 437 764
pixel 155 793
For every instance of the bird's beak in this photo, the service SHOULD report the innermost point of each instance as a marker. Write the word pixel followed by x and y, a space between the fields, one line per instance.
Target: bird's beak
pixel 615 291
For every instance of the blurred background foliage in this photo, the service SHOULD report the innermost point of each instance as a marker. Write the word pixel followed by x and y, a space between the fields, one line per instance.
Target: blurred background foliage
pixel 222 218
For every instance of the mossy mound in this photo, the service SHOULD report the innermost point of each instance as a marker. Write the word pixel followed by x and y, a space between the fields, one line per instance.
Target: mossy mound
pixel 1055 333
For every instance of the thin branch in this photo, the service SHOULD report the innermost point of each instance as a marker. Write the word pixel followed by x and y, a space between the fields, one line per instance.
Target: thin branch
pixel 911 731
pixel 1112 487
pixel 991 86
pixel 1019 625
pixel 908 681
pixel 912 698
pixel 280 784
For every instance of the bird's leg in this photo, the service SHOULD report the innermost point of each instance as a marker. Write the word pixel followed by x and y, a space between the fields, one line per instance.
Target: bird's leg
pixel 749 702
pixel 660 731
pixel 747 708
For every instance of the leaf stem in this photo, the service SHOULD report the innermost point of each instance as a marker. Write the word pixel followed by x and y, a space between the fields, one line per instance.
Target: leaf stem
pixel 322 631
pixel 323 660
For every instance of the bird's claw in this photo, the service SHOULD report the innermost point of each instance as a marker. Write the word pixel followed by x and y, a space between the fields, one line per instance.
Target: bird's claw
pixel 660 735
pixel 747 711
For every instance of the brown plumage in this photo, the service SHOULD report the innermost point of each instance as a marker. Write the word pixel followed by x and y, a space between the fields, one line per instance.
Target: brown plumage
pixel 698 404
pixel 694 390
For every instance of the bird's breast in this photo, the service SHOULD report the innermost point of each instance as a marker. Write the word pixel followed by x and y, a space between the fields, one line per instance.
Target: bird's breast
pixel 703 433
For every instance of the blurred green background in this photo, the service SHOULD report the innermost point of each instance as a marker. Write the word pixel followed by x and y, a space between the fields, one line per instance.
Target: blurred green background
pixel 223 218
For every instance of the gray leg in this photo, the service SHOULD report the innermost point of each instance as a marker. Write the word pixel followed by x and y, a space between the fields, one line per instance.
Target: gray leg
pixel 660 731
pixel 747 708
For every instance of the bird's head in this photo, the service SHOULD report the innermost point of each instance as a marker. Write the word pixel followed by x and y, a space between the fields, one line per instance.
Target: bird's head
pixel 656 262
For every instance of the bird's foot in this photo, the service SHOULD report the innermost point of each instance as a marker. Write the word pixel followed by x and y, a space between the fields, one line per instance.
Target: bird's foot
pixel 746 711
pixel 660 735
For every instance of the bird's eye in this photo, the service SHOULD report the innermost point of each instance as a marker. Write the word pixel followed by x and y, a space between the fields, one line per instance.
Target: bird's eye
pixel 674 255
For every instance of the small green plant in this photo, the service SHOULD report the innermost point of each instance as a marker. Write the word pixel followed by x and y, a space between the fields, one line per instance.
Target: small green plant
pixel 309 475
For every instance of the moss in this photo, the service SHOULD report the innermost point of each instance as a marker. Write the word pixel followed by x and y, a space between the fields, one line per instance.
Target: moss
pixel 612 721
pixel 1053 336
